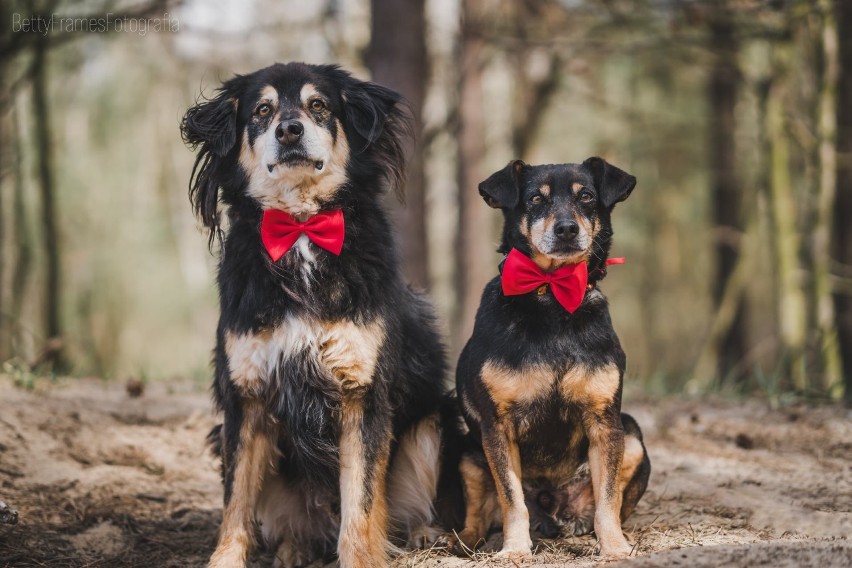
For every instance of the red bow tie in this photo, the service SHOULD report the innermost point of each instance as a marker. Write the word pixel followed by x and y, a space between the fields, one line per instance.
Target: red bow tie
pixel 280 230
pixel 521 275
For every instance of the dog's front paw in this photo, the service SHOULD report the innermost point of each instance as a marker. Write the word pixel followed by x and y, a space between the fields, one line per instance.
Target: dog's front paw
pixel 227 558
pixel 616 551
pixel 515 547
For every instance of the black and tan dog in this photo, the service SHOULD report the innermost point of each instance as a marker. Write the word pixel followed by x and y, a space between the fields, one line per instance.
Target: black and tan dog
pixel 540 380
pixel 328 369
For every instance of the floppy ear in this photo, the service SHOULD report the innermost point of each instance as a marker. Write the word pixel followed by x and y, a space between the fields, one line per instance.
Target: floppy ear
pixel 210 127
pixel 502 189
pixel 378 121
pixel 613 184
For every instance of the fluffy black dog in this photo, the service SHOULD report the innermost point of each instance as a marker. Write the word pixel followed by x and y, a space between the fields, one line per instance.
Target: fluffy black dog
pixel 328 368
pixel 540 380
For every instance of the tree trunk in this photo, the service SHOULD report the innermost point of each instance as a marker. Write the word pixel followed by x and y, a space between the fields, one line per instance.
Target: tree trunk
pixel 843 204
pixel 726 192
pixel 44 159
pixel 397 58
pixel 23 244
pixel 827 134
pixel 792 303
pixel 474 261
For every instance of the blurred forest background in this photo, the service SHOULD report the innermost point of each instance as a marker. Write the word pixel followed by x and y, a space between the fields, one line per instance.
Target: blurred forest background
pixel 735 115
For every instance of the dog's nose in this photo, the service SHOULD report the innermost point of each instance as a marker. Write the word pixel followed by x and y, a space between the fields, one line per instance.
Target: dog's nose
pixel 566 229
pixel 289 131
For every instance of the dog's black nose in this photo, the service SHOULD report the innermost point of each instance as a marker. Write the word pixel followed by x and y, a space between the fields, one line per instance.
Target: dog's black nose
pixel 289 131
pixel 566 229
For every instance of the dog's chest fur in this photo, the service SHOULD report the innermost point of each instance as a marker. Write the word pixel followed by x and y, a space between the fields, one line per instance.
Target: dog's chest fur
pixel 343 353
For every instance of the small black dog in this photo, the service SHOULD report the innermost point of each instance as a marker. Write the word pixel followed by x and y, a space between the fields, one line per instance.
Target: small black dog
pixel 540 380
pixel 329 370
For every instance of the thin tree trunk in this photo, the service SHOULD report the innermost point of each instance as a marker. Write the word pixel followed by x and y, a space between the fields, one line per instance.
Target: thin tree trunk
pixel 44 150
pixel 23 244
pixel 792 303
pixel 726 192
pixel 474 261
pixel 827 134
pixel 843 204
pixel 397 58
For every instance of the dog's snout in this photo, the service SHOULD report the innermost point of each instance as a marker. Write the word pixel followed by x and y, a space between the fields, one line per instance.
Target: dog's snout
pixel 289 131
pixel 566 229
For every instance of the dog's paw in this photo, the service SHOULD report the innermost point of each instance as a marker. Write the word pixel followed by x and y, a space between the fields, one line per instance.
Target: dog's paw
pixel 227 559
pixel 579 526
pixel 465 543
pixel 291 555
pixel 616 551
pixel 425 537
pixel 513 548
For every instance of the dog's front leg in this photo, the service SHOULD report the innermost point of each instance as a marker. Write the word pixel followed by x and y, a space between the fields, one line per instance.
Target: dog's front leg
pixel 504 460
pixel 364 450
pixel 247 453
pixel 606 453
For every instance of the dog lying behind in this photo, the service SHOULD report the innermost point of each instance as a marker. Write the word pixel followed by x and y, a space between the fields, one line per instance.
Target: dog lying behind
pixel 328 368
pixel 540 380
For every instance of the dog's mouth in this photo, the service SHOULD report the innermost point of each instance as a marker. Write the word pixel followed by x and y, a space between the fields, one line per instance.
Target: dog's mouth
pixel 296 159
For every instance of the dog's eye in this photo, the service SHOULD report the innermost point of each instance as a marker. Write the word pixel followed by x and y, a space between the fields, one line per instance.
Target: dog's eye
pixel 586 196
pixel 263 110
pixel 317 105
pixel 536 198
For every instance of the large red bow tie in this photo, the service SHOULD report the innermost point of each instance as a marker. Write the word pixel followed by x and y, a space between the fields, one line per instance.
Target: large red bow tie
pixel 521 275
pixel 280 230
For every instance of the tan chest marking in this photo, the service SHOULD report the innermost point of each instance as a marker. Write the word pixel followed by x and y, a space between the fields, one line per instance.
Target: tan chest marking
pixel 511 386
pixel 350 351
pixel 347 350
pixel 594 389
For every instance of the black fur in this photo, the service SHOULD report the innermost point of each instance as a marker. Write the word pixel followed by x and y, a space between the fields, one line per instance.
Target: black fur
pixel 361 284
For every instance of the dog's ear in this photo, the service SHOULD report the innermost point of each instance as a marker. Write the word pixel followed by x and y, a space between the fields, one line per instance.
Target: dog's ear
pixel 502 190
pixel 613 185
pixel 211 128
pixel 378 121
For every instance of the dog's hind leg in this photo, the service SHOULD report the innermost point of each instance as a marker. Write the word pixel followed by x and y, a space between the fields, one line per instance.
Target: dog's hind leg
pixel 365 442
pixel 635 467
pixel 476 479
pixel 248 451
pixel 413 484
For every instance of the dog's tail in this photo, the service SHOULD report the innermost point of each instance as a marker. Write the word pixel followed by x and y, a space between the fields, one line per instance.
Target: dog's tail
pixel 449 502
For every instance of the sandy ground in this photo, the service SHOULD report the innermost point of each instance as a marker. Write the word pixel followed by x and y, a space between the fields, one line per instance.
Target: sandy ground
pixel 100 479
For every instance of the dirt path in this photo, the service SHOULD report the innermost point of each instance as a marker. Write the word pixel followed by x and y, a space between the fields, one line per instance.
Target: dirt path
pixel 100 479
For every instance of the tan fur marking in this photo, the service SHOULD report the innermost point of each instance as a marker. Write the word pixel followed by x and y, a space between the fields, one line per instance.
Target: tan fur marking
pixel 362 531
pixel 576 187
pixel 633 454
pixel 476 524
pixel 350 351
pixel 270 95
pixel 309 90
pixel 516 518
pixel 510 386
pixel 595 390
pixel 254 456
pixel 607 503
pixel 247 359
pixel 545 190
